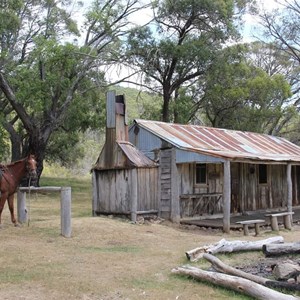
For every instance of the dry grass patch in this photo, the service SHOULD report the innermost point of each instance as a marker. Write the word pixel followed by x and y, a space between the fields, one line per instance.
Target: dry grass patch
pixel 106 258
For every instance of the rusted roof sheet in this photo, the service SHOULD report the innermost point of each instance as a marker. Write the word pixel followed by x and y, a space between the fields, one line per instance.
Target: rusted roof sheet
pixel 231 144
pixel 135 157
pixel 122 155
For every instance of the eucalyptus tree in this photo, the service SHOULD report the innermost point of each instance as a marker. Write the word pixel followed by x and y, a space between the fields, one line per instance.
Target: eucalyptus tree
pixel 4 149
pixel 179 45
pixel 49 69
pixel 275 62
pixel 243 96
pixel 281 28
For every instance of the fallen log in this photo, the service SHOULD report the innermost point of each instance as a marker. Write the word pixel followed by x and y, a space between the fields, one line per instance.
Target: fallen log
pixel 238 284
pixel 281 249
pixel 220 266
pixel 282 285
pixel 224 246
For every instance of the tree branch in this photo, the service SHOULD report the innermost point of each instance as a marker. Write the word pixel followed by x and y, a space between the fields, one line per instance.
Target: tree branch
pixel 6 89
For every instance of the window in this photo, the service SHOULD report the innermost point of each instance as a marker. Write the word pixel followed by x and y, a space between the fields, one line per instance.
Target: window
pixel 263 174
pixel 200 173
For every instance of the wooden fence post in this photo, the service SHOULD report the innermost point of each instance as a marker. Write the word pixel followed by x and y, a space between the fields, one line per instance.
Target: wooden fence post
pixel 65 205
pixel 21 207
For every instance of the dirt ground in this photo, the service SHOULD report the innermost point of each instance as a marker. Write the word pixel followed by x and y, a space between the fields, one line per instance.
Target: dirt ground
pixel 109 258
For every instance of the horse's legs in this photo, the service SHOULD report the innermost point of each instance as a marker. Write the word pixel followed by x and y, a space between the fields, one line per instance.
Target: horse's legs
pixel 10 201
pixel 2 202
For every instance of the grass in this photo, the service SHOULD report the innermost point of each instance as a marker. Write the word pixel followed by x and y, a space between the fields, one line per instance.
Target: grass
pixel 106 258
pixel 122 249
pixel 78 185
pixel 81 189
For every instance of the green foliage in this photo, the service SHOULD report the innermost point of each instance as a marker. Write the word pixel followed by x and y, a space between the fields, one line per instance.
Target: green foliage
pixel 4 144
pixel 187 37
pixel 187 68
pixel 64 148
pixel 43 90
pixel 54 87
pixel 8 15
pixel 243 97
pixel 291 129
pixel 141 104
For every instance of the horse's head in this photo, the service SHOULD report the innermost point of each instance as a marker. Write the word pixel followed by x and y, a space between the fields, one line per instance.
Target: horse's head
pixel 31 166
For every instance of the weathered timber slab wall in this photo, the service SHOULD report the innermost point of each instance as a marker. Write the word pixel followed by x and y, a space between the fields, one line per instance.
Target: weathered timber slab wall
pixel 247 193
pixel 254 196
pixel 114 189
pixel 187 186
pixel 147 189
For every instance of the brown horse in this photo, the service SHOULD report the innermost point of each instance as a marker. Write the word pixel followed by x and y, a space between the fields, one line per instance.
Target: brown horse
pixel 10 178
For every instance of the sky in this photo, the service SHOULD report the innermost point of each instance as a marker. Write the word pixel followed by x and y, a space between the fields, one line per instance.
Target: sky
pixel 251 25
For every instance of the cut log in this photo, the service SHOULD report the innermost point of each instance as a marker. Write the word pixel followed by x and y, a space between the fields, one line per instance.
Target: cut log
pixel 241 285
pixel 224 246
pixel 281 249
pixel 219 266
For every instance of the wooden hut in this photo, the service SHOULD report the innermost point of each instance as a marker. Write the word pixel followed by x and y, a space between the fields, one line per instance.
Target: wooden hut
pixel 209 171
pixel 124 179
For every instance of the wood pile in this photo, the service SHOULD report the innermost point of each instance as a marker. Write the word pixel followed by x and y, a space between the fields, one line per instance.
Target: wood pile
pixel 286 274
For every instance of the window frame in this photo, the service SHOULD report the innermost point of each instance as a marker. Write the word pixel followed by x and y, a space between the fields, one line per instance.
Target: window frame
pixel 262 174
pixel 204 182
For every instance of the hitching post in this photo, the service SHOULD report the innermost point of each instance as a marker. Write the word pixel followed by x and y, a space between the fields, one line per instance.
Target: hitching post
pixel 65 212
pixel 21 207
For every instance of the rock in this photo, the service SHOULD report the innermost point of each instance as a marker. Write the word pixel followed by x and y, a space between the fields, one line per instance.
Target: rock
pixel 268 269
pixel 291 281
pixel 140 220
pixel 286 270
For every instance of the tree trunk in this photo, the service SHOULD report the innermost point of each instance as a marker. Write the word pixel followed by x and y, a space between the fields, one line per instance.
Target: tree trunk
pixel 281 249
pixel 224 246
pixel 16 142
pixel 37 146
pixel 240 285
pixel 166 104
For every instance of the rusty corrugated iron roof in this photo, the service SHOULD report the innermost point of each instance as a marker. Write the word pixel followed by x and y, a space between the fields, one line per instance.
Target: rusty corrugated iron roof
pixel 231 144
pixel 135 158
pixel 125 156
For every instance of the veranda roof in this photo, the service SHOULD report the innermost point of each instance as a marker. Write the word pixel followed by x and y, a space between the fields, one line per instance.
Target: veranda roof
pixel 224 143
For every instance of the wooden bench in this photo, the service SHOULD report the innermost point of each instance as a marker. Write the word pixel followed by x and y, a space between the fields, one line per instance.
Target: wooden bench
pixel 251 222
pixel 287 219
